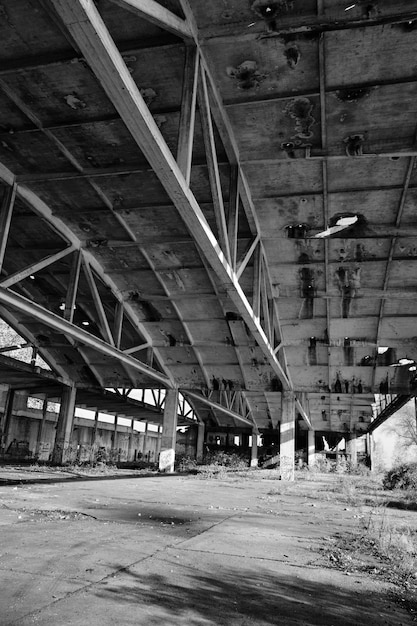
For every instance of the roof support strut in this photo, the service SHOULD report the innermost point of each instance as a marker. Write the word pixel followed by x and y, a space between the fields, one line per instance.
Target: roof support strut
pixel 15 301
pixel 92 37
pixel 158 15
pixel 218 407
pixel 6 210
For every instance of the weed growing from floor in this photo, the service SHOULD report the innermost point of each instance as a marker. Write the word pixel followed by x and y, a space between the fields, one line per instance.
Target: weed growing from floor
pixel 402 476
pixel 217 465
pixel 384 542
pixel 394 543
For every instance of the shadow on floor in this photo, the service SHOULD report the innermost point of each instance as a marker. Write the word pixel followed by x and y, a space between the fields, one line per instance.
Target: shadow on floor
pixel 246 598
pixel 77 478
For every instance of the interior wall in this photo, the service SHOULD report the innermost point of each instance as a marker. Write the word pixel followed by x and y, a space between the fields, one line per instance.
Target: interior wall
pixel 22 439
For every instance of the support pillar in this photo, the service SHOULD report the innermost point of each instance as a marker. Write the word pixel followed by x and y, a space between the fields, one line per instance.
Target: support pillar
pixel 158 442
pixel 115 441
pixel 131 439
pixel 61 452
pixel 145 443
pixel 200 442
pixel 7 416
pixel 369 450
pixel 254 449
pixel 311 448
pixel 287 436
pixel 244 438
pixel 169 432
pixel 94 438
pixel 41 427
pixel 351 449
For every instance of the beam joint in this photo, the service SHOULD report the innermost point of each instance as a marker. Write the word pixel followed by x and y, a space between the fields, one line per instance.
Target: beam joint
pixel 155 13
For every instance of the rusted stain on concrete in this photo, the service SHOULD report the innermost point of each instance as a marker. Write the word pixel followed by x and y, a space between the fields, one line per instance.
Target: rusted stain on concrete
pixel 74 102
pixel 300 110
pixel 348 281
pixel 292 54
pixel 247 75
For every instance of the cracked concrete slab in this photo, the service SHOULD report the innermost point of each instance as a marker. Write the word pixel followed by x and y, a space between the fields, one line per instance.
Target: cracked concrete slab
pixel 179 552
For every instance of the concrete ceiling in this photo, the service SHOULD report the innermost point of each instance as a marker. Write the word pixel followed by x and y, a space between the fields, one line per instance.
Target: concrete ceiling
pixel 210 275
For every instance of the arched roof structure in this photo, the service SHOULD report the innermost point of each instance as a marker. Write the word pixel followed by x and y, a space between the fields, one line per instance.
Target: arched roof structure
pixel 214 196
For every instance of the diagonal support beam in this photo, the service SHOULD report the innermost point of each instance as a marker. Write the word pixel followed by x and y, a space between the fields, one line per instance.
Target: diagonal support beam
pixel 143 346
pixel 34 311
pixel 257 282
pixel 246 257
pixel 5 219
pixel 72 287
pixel 212 163
pixel 102 317
pixel 232 150
pixel 188 110
pixel 118 324
pixel 12 279
pixel 303 414
pixel 91 35
pixel 29 198
pixel 216 406
pixel 266 303
pixel 103 322
pixel 158 15
pixel 17 346
pixel 233 213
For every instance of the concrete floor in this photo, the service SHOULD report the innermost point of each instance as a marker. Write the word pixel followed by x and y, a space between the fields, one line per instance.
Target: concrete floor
pixel 178 551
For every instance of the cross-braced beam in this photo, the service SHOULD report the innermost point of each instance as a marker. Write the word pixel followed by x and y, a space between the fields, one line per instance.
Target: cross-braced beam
pixel 73 245
pixel 93 39
pixel 6 211
pixel 218 407
pixel 158 15
pixel 23 305
pixel 17 277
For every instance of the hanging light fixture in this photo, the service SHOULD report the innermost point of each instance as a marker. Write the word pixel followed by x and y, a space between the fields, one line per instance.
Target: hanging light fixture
pixel 342 224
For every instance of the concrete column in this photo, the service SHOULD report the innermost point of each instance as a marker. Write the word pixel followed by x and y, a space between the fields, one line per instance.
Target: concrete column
pixel 200 442
pixel 41 427
pixel 287 436
pixel 244 438
pixel 254 450
pixel 115 438
pixel 145 442
pixel 169 432
pixel 351 449
pixel 131 438
pixel 94 438
pixel 159 442
pixel 7 416
pixel 311 448
pixel 61 452
pixel 369 449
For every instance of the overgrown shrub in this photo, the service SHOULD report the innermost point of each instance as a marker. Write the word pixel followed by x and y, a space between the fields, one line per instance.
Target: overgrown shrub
pixel 395 544
pixel 402 476
pixel 322 465
pixel 214 463
pixel 341 467
pixel 185 464
pixel 229 460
